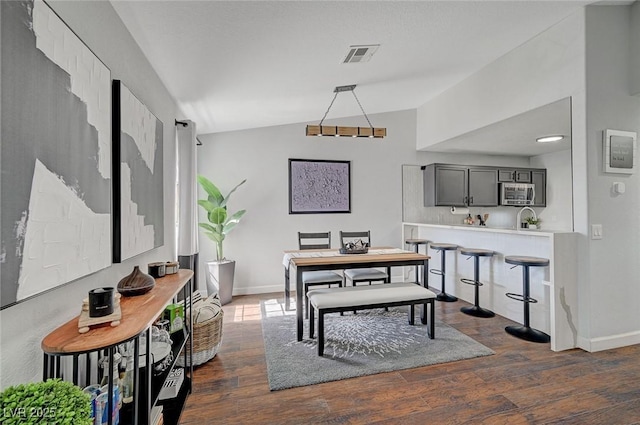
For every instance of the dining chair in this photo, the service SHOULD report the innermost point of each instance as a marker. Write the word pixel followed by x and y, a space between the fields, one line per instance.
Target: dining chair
pixel 361 275
pixel 316 240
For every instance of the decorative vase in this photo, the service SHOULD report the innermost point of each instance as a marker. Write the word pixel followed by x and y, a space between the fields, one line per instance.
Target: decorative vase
pixel 136 283
pixel 533 226
pixel 220 279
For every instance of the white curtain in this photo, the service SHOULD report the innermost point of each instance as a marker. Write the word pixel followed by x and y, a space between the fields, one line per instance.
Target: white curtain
pixel 187 195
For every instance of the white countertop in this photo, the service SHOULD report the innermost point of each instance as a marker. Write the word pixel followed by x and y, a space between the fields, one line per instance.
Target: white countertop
pixel 472 228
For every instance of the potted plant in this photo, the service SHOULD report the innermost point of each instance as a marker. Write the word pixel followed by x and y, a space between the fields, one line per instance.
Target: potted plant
pixel 52 401
pixel 532 222
pixel 219 272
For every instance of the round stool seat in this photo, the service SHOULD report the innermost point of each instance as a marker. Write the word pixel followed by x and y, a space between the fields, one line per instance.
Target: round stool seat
pixel 477 252
pixel 443 246
pixel 519 260
pixel 416 241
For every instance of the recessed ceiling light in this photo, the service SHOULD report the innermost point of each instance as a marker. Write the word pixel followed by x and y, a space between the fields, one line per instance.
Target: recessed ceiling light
pixel 549 139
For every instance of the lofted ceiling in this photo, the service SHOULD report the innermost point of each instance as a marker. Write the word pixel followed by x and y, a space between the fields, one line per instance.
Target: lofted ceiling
pixel 234 65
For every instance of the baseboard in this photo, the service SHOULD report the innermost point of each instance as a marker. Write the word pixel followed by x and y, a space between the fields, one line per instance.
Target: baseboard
pixel 260 290
pixel 607 343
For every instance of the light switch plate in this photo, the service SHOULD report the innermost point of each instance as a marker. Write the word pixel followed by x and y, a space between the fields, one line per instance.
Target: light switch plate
pixel 596 231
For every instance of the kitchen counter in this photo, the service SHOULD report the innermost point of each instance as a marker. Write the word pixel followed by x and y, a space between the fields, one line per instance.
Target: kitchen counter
pixel 555 287
pixel 476 228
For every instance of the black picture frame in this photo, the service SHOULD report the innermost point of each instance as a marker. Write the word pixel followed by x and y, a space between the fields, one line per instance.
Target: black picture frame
pixel 137 176
pixel 319 186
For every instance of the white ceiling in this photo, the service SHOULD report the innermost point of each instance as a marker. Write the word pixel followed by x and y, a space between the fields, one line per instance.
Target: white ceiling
pixel 234 65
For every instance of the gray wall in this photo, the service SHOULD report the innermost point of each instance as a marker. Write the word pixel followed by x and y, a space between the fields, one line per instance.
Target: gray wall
pixel 260 156
pixel 635 49
pixel 613 298
pixel 23 326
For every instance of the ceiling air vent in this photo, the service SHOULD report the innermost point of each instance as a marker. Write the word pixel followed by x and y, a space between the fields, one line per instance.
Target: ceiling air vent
pixel 359 54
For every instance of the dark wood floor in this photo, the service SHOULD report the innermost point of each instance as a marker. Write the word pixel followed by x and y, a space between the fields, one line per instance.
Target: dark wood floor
pixel 523 383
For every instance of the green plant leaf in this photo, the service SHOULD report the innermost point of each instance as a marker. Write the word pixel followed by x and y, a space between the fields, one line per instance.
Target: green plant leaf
pixel 64 403
pixel 218 215
pixel 215 236
pixel 211 189
pixel 208 227
pixel 208 206
pixel 235 218
pixel 226 198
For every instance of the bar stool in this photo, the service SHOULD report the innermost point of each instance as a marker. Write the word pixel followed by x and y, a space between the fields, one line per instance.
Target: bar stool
pixel 476 253
pixel 526 332
pixel 415 243
pixel 443 248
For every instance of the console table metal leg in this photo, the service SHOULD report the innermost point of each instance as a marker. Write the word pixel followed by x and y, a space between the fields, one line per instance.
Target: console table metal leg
pixel 75 369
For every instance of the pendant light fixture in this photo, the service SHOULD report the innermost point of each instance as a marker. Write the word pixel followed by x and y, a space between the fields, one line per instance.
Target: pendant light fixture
pixel 339 131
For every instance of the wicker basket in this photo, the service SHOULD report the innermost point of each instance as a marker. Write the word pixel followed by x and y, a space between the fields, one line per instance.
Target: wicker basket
pixel 207 335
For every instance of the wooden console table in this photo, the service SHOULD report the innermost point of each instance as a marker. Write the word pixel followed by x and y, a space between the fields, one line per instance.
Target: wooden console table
pixel 138 314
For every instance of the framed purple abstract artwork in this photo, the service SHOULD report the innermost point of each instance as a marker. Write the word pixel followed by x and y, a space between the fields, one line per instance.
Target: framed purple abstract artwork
pixel 318 186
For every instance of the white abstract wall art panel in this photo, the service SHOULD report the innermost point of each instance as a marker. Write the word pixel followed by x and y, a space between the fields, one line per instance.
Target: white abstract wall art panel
pixel 319 186
pixel 55 153
pixel 138 183
pixel 64 239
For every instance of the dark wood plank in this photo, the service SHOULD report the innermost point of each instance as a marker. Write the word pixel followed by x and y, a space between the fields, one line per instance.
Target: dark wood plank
pixel 523 383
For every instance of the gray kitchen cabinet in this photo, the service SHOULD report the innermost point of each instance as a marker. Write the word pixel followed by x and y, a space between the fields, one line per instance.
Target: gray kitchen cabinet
pixel 518 175
pixel 445 185
pixel 460 186
pixel 539 178
pixel 483 187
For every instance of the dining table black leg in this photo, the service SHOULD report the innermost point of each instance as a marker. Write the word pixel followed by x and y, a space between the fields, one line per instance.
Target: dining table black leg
pixel 299 307
pixel 287 291
pixel 425 273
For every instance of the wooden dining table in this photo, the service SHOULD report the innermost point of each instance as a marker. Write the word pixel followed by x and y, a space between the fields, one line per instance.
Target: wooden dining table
pixel 301 261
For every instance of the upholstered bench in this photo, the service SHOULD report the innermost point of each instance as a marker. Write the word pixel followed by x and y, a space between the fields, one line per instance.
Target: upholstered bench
pixel 348 298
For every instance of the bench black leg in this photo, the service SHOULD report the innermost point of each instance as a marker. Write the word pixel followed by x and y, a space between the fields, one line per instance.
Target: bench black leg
pixel 320 332
pixel 311 322
pixel 412 312
pixel 432 318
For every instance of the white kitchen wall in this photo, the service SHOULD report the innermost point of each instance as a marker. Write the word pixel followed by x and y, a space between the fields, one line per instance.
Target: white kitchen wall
pixel 558 214
pixel 24 325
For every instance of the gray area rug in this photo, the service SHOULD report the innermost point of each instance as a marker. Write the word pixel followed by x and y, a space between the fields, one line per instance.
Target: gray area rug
pixel 370 342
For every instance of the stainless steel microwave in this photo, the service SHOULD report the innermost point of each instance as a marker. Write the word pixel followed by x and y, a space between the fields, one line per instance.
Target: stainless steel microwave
pixel 517 193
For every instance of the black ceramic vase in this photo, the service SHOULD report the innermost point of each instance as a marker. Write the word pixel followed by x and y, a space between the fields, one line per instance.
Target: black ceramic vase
pixel 137 283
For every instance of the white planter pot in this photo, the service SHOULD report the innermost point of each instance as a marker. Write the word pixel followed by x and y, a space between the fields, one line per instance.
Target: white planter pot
pixel 533 226
pixel 220 279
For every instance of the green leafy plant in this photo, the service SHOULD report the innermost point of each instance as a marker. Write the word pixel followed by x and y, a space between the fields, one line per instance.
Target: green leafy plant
pixel 50 402
pixel 220 222
pixel 532 220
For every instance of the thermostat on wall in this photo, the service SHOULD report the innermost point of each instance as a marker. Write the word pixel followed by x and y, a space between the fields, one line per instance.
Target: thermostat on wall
pixel 619 151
